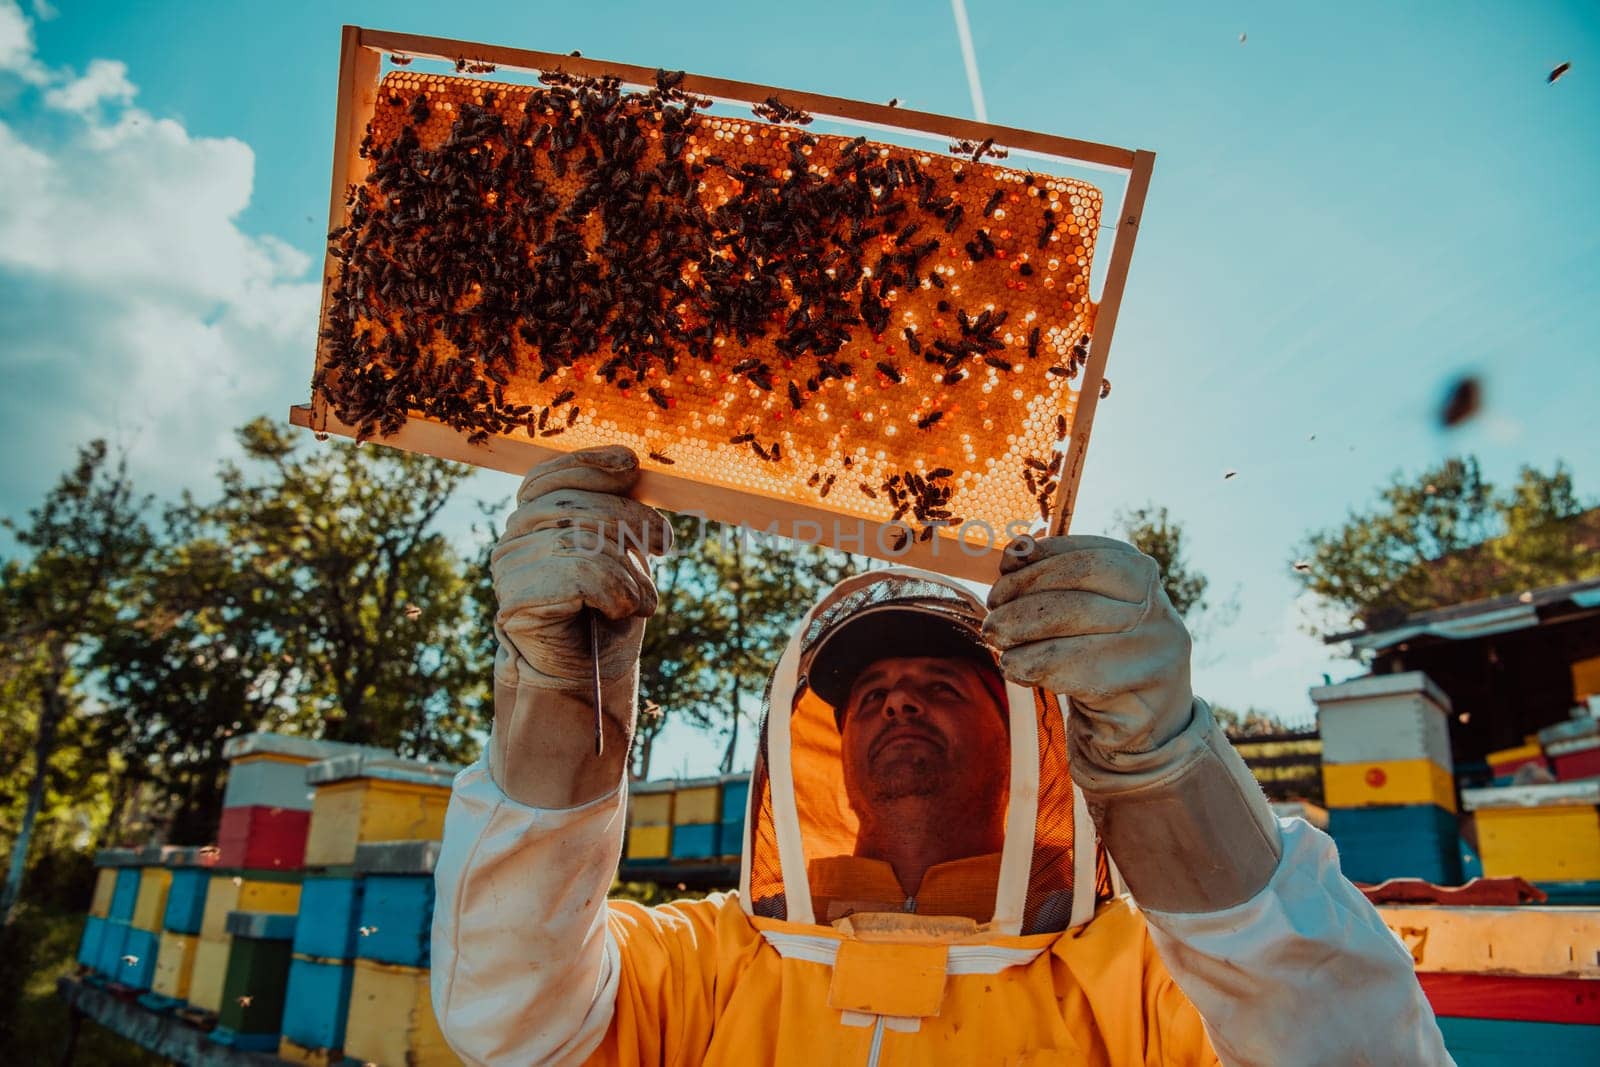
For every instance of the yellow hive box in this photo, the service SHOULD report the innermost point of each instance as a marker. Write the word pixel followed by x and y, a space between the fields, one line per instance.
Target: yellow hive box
pixel 105 883
pixel 1585 678
pixel 174 965
pixel 311 1057
pixel 648 809
pixel 209 971
pixel 150 908
pixel 231 892
pixel 649 842
pixel 1388 782
pixel 361 799
pixel 700 804
pixel 391 1021
pixel 1538 942
pixel 1548 832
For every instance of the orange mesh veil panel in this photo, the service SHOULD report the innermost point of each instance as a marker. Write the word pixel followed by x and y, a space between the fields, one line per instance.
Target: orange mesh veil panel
pixel 827 826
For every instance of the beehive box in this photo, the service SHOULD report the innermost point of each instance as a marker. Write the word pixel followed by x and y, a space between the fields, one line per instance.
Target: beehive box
pixel 362 799
pixel 1575 759
pixel 174 965
pixel 137 965
pixel 786 326
pixel 257 837
pixel 391 1019
pixel 209 971
pixel 1409 841
pixel 330 917
pixel 108 961
pixel 268 770
pixel 186 900
pixel 316 1004
pixel 1384 717
pixel 735 795
pixel 397 902
pixel 251 1011
pixel 150 906
pixel 252 891
pixel 94 929
pixel 1539 832
pixel 1388 782
pixel 124 895
pixel 105 884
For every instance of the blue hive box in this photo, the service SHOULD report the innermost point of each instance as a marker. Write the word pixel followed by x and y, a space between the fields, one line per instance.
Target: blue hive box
pixel 89 945
pixel 125 895
pixel 1401 841
pixel 109 959
pixel 330 914
pixel 397 901
pixel 695 841
pixel 137 967
pixel 186 900
pixel 316 1003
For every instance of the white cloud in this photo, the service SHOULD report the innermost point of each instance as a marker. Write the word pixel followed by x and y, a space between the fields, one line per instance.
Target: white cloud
pixel 16 45
pixel 142 311
pixel 105 81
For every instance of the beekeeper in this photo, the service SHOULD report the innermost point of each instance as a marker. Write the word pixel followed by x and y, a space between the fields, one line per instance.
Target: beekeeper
pixel 934 853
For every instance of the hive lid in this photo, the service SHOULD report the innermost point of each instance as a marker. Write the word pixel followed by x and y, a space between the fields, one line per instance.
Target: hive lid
pixel 117 857
pixel 304 748
pixel 387 766
pixel 397 857
pixel 1381 685
pixel 1572 745
pixel 1569 730
pixel 1555 794
pixel 261 925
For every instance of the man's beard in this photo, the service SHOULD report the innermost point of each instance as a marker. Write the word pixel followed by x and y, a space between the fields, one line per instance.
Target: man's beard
pixel 920 773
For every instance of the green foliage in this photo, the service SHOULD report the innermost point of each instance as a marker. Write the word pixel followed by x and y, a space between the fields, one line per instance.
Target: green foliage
pixel 1155 533
pixel 1448 536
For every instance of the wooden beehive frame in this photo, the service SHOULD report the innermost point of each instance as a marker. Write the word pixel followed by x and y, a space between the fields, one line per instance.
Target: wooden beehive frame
pixel 361 54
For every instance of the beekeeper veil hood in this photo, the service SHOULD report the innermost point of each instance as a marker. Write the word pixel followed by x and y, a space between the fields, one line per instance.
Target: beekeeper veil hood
pixel 1051 872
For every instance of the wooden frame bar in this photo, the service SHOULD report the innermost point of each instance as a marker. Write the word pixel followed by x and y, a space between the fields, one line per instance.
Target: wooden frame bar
pixel 361 51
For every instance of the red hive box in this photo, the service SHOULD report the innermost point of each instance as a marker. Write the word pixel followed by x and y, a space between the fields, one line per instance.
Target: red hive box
pixel 263 838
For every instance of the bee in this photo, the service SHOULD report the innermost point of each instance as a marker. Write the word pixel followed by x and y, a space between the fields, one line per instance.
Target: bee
pixel 816 476
pixel 998 362
pixel 1105 388
pixel 911 342
pixel 763 453
pixel 572 414
pixel 662 457
pixel 1033 343
pixel 1026 270
pixel 895 102
pixel 1060 371
pixel 741 438
pixel 953 220
pixel 994 202
pixel 1045 232
pixel 925 421
pixel 868 490
pixel 826 486
pixel 978 152
pixel 940 472
pixel 906 234
pixel 795 400
pixel 938 282
pixel 562 397
pixel 890 371
pixel 1061 426
pixel 399 60
pixel 553 431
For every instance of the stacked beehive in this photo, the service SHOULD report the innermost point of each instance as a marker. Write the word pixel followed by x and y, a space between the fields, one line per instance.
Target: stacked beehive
pixel 391 1018
pixel 696 819
pixel 365 914
pixel 649 822
pixel 1387 778
pixel 251 1011
pixel 260 846
pixel 188 874
pixel 116 891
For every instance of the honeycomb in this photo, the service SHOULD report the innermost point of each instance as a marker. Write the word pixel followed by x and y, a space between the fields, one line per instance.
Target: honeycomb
pixel 871 329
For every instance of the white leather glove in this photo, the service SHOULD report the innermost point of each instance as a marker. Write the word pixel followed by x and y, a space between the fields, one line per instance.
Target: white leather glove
pixel 574 540
pixel 1087 618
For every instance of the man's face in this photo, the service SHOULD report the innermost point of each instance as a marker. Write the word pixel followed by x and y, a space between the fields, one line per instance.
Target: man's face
pixel 923 726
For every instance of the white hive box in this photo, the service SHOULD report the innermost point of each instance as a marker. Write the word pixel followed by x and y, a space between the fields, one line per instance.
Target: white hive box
pixel 1384 717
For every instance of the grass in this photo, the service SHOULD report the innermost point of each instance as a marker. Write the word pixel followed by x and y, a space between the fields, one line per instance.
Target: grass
pixel 43 944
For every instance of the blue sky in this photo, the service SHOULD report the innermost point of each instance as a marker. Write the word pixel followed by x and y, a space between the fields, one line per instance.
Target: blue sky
pixel 1350 206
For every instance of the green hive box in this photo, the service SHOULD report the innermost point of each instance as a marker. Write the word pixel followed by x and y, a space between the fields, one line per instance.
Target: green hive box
pixel 251 1012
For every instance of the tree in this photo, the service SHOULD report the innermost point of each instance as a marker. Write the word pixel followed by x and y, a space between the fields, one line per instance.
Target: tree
pixel 1155 533
pixel 313 595
pixel 1448 536
pixel 85 539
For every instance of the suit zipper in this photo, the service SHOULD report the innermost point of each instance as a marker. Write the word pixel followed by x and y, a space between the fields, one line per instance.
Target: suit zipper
pixel 876 1049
